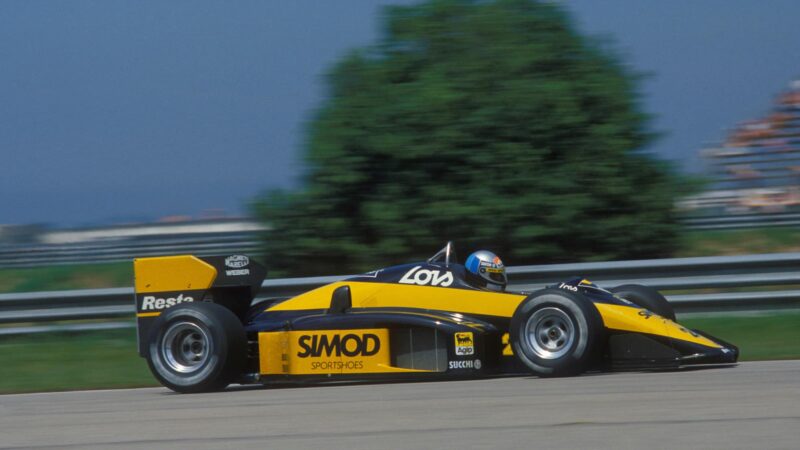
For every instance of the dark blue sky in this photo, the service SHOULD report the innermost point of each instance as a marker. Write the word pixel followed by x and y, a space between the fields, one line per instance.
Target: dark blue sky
pixel 120 110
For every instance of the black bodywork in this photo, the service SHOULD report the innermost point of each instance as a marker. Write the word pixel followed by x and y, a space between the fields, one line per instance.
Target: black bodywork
pixel 425 339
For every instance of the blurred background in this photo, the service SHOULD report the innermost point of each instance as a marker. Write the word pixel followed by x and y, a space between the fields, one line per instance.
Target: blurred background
pixel 327 138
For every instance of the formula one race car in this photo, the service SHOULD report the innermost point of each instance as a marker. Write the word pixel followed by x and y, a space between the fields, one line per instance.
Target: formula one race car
pixel 198 330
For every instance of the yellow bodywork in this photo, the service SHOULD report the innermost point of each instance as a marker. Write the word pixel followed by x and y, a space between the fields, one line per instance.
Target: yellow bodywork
pixel 172 273
pixel 481 303
pixel 389 295
pixel 626 318
pixel 164 274
pixel 315 352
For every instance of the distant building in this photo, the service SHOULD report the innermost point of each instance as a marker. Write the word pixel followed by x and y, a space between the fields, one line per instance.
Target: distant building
pixel 757 168
pixel 20 234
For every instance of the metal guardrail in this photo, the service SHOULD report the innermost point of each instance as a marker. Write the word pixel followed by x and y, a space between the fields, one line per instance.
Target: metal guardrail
pixel 777 276
pixel 742 221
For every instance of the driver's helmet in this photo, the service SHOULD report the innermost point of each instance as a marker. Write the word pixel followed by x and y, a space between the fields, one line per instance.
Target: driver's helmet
pixel 486 270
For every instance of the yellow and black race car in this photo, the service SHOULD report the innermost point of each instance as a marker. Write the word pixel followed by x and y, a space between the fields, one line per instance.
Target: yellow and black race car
pixel 198 330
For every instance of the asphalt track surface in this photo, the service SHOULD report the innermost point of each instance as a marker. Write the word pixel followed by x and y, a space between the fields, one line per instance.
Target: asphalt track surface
pixel 750 406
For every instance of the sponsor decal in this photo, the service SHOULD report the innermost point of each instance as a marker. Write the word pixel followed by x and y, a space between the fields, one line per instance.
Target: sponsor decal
pixel 337 365
pixel 152 303
pixel 424 277
pixel 350 345
pixel 493 266
pixel 325 351
pixel 237 272
pixel 465 345
pixel 568 287
pixel 237 261
pixel 507 350
pixel 645 313
pixel 466 364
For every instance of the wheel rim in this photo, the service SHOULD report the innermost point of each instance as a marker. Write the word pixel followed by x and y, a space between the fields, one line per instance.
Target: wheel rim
pixel 186 347
pixel 550 333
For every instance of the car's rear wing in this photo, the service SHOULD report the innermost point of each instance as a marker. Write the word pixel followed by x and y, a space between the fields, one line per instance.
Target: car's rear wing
pixel 163 282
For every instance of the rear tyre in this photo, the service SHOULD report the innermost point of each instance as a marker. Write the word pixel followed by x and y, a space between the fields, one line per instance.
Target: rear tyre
pixel 197 347
pixel 556 333
pixel 647 298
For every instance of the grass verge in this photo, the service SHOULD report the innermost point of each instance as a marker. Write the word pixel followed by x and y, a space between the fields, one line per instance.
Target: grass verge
pixel 739 242
pixel 108 359
pixel 88 360
pixel 774 335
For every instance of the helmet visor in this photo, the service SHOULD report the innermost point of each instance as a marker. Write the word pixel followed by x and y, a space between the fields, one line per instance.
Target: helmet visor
pixel 497 277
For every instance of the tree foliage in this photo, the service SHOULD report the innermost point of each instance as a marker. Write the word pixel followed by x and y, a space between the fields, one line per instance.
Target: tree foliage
pixel 493 124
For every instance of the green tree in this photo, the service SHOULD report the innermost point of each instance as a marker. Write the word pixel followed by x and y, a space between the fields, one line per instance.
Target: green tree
pixel 493 124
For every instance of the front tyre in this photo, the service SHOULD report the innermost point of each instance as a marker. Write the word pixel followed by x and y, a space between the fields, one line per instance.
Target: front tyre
pixel 647 298
pixel 556 333
pixel 197 347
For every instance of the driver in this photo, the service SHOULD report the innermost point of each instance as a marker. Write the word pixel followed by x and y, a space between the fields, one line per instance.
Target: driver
pixel 486 270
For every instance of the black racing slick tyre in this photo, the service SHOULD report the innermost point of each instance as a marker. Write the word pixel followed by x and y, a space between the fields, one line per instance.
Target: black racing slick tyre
pixel 556 333
pixel 197 347
pixel 647 298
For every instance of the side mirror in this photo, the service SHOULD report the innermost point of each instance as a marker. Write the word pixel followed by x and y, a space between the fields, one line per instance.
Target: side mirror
pixel 341 300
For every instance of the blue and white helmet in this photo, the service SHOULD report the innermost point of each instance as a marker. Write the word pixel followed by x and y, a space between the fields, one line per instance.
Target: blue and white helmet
pixel 485 269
